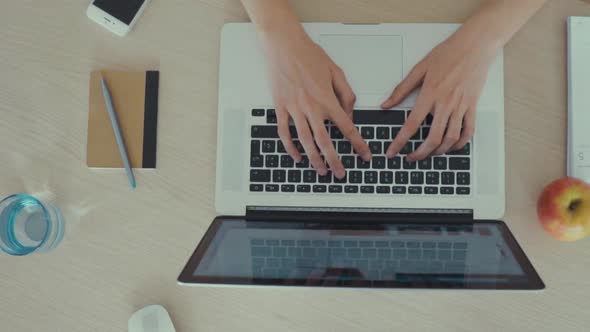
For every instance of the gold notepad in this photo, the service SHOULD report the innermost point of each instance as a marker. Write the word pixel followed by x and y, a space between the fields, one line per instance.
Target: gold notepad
pixel 135 98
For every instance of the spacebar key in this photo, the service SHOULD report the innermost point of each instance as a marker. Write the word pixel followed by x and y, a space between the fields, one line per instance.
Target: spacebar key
pixel 379 117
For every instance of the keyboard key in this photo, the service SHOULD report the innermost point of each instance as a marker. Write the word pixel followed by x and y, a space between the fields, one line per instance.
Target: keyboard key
pixel 303 188
pixel 287 161
pixel 399 253
pixel 379 162
pixel 272 161
pixel 281 147
pixel 463 191
pixel 416 136
pixel 271 119
pixel 371 177
pixel 409 165
pixel 459 163
pixel 395 131
pixel 355 177
pixel 343 180
pixel 335 189
pixel 428 245
pixel 383 190
pixel 401 177
pixel 444 245
pixel 367 190
pixel 447 190
pixel 431 190
pixel 254 147
pixel 360 163
pixel 425 163
pixel 414 254
pixel 368 132
pixel 428 120
pixel 354 253
pixel 319 188
pixel 299 146
pixel 309 252
pixel 335 133
pixel 463 179
pixel 394 163
pixel 287 188
pixel 460 245
pixel 440 163
pixel 261 251
pixel 304 163
pixel 256 242
pixel 393 117
pixel 376 147
pixel 448 178
pixel 264 132
pixel 259 175
pixel 294 176
pixel 279 175
pixel 386 177
pixel 384 253
pixel 258 112
pixel 444 255
pixel 465 151
pixel 417 178
pixel 325 178
pixel 344 147
pixel 309 176
pixel 425 133
pixel 348 162
pixel 271 188
pixel 351 189
pixel 398 190
pixel 413 244
pixel 398 244
pixel 407 149
pixel 256 160
pixel 294 252
pixel 429 254
pixel 382 132
pixel 415 190
pixel 432 178
pixel 256 187
pixel 370 253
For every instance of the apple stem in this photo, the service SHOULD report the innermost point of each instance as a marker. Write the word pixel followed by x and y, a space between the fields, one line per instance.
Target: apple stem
pixel 574 205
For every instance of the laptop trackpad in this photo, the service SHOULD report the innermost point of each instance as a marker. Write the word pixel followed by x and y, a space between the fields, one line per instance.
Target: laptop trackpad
pixel 373 63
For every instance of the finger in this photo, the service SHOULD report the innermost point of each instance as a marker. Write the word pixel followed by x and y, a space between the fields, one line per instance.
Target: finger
pixel 343 91
pixel 453 133
pixel 285 134
pixel 423 106
pixel 406 86
pixel 434 139
pixel 324 142
pixel 306 139
pixel 468 129
pixel 349 131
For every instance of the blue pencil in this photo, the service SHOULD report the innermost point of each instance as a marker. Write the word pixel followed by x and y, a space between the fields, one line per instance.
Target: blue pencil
pixel 111 110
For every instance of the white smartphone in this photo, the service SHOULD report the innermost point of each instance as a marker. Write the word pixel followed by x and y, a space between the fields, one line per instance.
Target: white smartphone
pixel 118 16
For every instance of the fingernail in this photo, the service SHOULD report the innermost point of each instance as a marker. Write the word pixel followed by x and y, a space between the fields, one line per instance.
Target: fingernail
pixel 340 174
pixel 367 157
pixel 323 171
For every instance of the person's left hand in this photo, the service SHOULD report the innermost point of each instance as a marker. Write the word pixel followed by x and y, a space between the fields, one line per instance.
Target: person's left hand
pixel 452 77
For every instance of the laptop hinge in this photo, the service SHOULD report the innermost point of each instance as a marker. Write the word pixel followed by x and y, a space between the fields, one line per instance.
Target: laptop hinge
pixel 275 213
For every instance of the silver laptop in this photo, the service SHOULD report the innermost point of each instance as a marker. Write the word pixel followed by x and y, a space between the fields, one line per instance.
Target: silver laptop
pixel 389 223
pixel 254 171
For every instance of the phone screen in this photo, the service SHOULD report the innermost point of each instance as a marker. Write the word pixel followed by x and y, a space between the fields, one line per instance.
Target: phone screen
pixel 123 10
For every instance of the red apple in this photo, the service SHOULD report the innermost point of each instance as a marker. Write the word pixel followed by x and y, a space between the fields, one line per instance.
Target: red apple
pixel 564 209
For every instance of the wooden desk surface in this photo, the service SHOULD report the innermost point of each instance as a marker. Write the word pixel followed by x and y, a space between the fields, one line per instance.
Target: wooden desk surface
pixel 124 250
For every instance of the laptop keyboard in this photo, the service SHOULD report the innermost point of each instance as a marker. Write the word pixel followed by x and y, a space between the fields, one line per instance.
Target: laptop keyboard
pixel 273 258
pixel 272 170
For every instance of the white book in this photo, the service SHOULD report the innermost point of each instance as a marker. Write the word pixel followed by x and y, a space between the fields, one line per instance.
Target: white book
pixel 579 97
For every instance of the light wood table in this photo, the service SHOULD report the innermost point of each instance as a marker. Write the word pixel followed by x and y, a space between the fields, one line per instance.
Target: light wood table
pixel 124 250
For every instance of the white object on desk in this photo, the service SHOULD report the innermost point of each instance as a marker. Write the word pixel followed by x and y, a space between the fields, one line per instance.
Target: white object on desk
pixel 153 318
pixel 579 97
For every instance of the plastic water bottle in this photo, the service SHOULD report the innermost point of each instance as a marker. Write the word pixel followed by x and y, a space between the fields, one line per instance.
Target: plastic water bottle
pixel 29 226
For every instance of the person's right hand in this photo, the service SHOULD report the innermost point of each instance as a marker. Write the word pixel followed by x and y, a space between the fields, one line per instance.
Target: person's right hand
pixel 309 88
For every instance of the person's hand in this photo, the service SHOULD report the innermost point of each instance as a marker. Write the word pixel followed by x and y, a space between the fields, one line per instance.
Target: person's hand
pixel 452 77
pixel 309 88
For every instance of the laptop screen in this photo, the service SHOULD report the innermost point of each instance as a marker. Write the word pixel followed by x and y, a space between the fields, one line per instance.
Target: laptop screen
pixel 479 255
